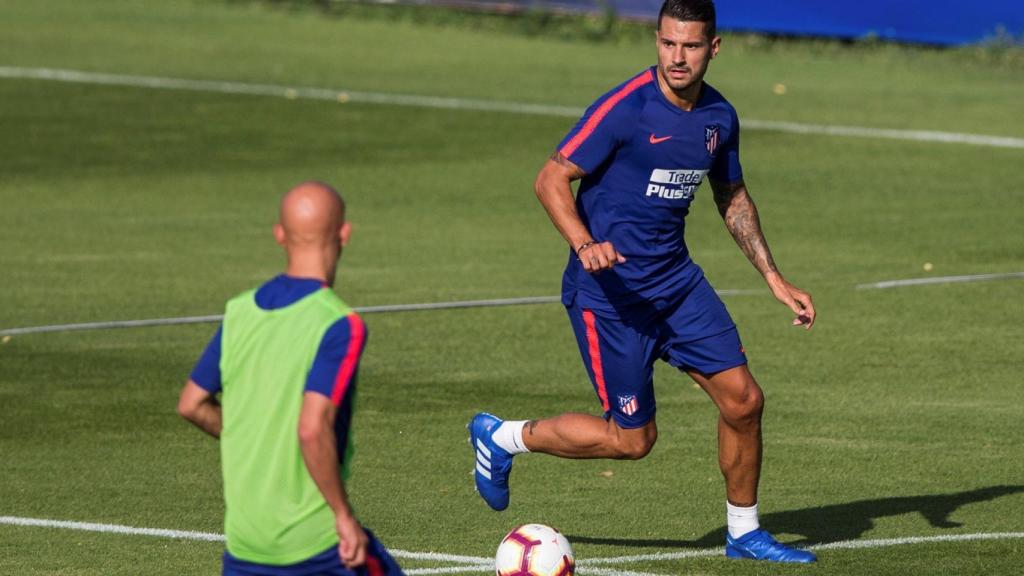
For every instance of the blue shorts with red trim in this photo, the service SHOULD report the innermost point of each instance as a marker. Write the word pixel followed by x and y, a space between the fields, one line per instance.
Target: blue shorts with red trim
pixel 327 563
pixel 619 350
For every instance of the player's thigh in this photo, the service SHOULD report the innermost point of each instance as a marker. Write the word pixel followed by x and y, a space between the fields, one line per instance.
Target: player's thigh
pixel 699 335
pixel 619 360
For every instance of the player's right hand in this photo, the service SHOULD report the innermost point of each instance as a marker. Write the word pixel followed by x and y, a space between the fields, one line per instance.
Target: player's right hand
pixel 600 256
pixel 353 541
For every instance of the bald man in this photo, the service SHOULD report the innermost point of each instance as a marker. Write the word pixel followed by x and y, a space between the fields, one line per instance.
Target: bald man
pixel 283 365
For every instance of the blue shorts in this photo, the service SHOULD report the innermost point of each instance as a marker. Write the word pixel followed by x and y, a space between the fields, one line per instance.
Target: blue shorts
pixel 619 350
pixel 327 563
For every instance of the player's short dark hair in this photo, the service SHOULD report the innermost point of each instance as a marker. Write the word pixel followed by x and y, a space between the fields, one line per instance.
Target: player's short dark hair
pixel 690 11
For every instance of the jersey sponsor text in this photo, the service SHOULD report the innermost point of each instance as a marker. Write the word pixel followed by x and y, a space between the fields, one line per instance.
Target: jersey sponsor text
pixel 675 184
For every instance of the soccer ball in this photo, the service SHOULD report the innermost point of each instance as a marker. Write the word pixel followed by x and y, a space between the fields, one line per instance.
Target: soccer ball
pixel 534 550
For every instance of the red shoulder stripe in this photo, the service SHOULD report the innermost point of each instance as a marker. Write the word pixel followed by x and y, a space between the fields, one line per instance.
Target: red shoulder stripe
pixel 357 335
pixel 603 111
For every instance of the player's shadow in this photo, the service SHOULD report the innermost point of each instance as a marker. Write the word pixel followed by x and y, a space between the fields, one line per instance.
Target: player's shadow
pixel 835 522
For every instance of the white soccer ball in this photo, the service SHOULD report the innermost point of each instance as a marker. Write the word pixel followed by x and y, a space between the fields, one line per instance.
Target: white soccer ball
pixel 534 550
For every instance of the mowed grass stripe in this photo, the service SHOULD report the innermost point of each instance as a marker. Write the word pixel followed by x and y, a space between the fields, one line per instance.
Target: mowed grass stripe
pixel 344 96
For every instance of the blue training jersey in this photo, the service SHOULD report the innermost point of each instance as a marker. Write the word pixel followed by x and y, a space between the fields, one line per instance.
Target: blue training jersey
pixel 644 159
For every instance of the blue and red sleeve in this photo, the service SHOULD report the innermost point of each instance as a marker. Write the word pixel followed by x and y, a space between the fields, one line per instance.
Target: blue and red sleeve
pixel 207 370
pixel 604 126
pixel 337 360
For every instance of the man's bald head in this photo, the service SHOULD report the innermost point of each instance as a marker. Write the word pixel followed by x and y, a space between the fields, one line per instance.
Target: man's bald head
pixel 312 229
pixel 311 212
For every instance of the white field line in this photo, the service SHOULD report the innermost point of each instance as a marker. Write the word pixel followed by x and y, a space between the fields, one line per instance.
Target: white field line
pixel 289 92
pixel 207 537
pixel 884 542
pixel 482 564
pixel 885 133
pixel 219 317
pixel 940 280
pixel 343 96
pixel 652 557
pixel 611 572
pixel 362 310
pixel 473 569
pixel 469 304
pixel 489 569
pixel 842 545
pixel 112 528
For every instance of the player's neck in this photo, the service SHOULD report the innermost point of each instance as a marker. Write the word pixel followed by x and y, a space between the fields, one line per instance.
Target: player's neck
pixel 301 266
pixel 685 99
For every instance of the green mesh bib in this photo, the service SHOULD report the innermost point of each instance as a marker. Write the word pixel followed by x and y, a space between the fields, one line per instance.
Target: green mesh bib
pixel 274 512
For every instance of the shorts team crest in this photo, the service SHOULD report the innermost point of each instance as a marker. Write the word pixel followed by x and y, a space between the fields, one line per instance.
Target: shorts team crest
pixel 628 405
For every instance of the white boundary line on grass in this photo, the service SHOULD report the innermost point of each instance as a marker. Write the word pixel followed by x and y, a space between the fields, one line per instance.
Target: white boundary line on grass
pixel 466 304
pixel 482 564
pixel 362 310
pixel 940 280
pixel 343 96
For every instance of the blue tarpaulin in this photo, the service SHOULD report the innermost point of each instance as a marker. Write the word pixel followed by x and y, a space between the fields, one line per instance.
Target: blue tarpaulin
pixel 947 22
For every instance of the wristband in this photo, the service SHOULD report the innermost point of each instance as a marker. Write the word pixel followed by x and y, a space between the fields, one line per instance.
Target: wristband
pixel 584 246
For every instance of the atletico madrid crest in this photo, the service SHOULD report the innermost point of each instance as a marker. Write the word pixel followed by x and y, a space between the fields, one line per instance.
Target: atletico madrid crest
pixel 711 138
pixel 628 404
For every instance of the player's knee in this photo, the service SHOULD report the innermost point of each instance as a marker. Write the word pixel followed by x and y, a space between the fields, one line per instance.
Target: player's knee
pixel 636 450
pixel 635 444
pixel 746 409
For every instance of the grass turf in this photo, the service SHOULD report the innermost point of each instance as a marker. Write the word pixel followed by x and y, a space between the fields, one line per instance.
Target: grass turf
pixel 899 415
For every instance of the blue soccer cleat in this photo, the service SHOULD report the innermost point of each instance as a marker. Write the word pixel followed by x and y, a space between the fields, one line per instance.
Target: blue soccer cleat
pixel 493 463
pixel 759 545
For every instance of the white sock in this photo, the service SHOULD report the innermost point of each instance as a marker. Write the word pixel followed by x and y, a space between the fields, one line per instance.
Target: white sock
pixel 741 520
pixel 510 436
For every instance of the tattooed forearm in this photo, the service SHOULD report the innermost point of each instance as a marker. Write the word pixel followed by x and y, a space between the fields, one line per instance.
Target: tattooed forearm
pixel 741 219
pixel 531 425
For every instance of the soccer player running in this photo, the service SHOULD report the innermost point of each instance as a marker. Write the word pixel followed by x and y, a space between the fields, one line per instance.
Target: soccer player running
pixel 284 365
pixel 632 293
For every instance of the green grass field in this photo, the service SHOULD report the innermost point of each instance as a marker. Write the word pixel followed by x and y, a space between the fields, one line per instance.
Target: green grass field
pixel 899 416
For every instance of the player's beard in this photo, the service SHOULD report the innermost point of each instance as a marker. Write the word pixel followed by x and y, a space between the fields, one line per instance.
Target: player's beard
pixel 681 84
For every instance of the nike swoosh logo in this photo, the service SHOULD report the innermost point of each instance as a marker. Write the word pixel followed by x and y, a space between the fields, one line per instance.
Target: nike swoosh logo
pixel 656 140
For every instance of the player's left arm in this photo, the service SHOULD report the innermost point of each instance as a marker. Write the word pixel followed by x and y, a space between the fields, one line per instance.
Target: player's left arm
pixel 329 385
pixel 741 219
pixel 320 453
pixel 200 407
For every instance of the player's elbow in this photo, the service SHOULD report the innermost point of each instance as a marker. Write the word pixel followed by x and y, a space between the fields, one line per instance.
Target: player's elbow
pixel 311 431
pixel 539 186
pixel 187 409
pixel 547 182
